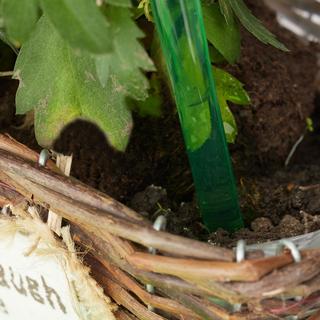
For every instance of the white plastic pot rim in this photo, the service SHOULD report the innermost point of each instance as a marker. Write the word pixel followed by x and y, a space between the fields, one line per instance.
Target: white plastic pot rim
pixel 305 241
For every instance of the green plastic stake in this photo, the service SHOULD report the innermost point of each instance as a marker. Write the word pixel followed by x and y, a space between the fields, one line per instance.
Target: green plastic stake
pixel 182 35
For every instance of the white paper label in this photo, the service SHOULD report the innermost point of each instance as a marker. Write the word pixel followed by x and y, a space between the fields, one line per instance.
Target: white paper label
pixel 32 287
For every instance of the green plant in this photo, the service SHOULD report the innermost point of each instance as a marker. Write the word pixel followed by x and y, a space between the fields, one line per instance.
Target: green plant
pixel 309 123
pixel 223 32
pixel 83 59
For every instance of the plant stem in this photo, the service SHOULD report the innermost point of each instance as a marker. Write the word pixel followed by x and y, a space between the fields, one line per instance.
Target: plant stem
pixel 293 150
pixel 6 73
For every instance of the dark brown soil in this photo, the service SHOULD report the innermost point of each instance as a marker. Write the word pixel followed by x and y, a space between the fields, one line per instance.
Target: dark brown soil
pixel 276 201
pixel 282 88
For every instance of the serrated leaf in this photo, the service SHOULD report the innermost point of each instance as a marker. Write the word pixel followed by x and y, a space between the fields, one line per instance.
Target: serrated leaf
pixel 20 17
pixel 81 23
pixel 228 88
pixel 254 25
pixel 103 64
pixel 129 58
pixel 152 106
pixel 120 3
pixel 61 86
pixel 231 87
pixel 225 37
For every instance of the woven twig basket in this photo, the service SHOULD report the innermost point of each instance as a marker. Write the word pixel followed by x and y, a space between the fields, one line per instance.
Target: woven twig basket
pixel 192 280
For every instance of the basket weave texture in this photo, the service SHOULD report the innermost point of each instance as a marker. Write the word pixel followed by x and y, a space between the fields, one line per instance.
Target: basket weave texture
pixel 191 279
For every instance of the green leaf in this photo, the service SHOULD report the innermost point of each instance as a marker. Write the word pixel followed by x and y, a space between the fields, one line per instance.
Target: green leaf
pixel 309 123
pixel 4 39
pixel 149 107
pixel 253 25
pixel 195 117
pixel 81 23
pixel 62 85
pixel 227 11
pixel 197 124
pixel 228 88
pixel 3 35
pixel 152 106
pixel 20 17
pixel 103 64
pixel 120 3
pixel 129 58
pixel 222 35
pixel 215 55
